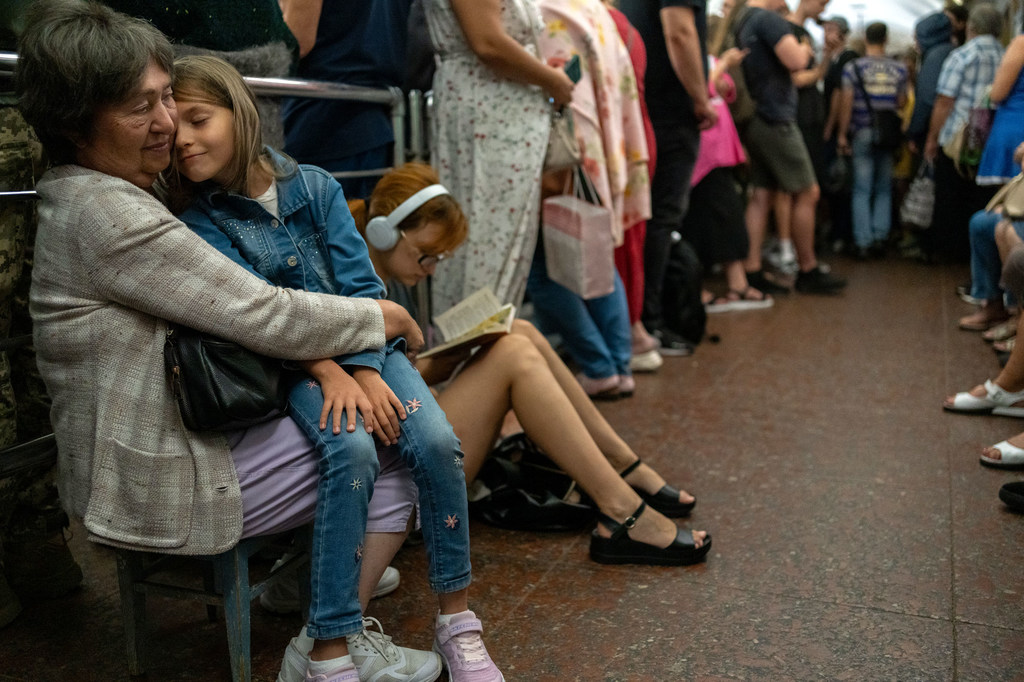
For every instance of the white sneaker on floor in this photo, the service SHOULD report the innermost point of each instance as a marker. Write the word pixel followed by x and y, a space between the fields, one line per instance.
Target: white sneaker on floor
pixel 374 655
pixel 282 597
pixel 388 582
pixel 378 660
pixel 646 362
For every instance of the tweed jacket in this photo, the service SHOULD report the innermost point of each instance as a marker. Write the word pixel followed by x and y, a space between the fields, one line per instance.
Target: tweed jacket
pixel 112 266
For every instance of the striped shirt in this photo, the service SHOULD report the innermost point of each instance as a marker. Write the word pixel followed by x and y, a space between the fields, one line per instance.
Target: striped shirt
pixel 884 80
pixel 966 73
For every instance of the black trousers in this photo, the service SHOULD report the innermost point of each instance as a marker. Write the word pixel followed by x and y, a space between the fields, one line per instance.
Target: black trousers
pixel 678 145
pixel 956 200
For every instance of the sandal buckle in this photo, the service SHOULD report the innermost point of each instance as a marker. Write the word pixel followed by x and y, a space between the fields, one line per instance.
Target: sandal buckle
pixel 630 522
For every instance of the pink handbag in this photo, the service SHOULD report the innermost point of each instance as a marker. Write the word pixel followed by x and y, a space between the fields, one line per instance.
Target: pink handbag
pixel 578 244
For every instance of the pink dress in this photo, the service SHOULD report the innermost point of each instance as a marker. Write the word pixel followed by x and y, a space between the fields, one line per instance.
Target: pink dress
pixel 629 257
pixel 605 105
pixel 720 145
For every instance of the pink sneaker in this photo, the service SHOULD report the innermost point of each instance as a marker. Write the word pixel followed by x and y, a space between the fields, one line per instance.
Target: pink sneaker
pixel 463 652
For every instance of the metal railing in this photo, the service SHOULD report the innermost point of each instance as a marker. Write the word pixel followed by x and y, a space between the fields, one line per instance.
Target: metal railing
pixel 296 87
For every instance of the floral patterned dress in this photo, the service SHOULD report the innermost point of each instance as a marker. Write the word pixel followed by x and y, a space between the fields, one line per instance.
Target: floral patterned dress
pixel 605 105
pixel 489 139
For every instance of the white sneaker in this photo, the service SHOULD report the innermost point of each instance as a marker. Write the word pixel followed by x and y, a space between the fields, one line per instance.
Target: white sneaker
pixel 376 658
pixel 388 582
pixel 646 362
pixel 282 597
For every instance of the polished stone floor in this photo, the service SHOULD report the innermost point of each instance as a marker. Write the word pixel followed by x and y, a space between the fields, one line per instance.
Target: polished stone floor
pixel 856 537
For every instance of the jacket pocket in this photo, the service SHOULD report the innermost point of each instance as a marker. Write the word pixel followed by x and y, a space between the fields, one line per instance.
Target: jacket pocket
pixel 141 498
pixel 313 248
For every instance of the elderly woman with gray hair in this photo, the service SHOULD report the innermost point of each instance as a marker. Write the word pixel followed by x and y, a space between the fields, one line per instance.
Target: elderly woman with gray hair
pixel 113 267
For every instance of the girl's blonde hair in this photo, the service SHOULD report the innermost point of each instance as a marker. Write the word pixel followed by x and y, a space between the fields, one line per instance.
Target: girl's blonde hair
pixel 399 184
pixel 202 78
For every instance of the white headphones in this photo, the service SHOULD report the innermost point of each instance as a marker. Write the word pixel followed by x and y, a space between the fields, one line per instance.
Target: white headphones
pixel 382 232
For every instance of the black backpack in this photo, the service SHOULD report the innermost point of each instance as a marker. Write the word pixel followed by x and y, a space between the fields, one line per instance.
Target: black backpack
pixel 682 310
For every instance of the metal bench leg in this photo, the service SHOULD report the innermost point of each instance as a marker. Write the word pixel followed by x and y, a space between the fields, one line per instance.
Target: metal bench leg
pixel 133 609
pixel 234 573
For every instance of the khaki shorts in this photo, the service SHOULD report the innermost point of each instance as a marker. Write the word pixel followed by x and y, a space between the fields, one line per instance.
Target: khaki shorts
pixel 778 156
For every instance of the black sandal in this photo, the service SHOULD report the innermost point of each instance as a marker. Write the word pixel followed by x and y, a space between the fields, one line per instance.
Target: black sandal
pixel 665 500
pixel 622 549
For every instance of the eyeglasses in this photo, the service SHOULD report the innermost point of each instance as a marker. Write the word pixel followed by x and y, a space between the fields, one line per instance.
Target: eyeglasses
pixel 426 260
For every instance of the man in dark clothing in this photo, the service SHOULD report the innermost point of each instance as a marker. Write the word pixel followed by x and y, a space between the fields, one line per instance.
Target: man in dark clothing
pixel 933 36
pixel 836 185
pixel 779 159
pixel 354 43
pixel 675 34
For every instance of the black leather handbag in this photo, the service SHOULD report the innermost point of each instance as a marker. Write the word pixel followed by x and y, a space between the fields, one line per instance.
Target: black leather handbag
pixel 220 385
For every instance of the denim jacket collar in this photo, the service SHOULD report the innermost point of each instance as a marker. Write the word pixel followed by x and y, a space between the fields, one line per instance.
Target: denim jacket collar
pixel 292 194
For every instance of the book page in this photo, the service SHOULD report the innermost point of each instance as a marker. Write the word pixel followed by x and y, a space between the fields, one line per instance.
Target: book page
pixel 490 329
pixel 467 314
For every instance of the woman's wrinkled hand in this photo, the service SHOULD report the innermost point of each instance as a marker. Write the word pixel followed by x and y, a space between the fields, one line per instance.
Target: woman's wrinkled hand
pixel 398 322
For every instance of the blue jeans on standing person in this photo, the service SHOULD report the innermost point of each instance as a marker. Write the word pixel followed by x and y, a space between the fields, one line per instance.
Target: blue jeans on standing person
pixel 348 467
pixel 986 267
pixel 872 190
pixel 595 331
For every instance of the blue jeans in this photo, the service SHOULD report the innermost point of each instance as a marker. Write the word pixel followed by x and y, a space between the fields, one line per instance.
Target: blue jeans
pixel 872 190
pixel 348 467
pixel 986 267
pixel 596 331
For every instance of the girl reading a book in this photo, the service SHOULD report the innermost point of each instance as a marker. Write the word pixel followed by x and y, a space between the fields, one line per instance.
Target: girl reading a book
pixel 290 225
pixel 408 232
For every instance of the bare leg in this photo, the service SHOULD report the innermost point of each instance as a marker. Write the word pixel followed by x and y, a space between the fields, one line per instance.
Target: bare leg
pixel 378 551
pixel 1006 238
pixel 804 205
pixel 783 207
pixel 608 441
pixel 736 277
pixel 757 221
pixel 1011 377
pixel 326 649
pixel 511 372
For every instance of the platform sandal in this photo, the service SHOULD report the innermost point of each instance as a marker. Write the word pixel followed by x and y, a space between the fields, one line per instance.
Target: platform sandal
pixel 622 549
pixel 665 500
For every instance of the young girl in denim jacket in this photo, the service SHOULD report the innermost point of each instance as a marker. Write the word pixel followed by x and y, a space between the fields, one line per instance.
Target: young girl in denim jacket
pixel 290 225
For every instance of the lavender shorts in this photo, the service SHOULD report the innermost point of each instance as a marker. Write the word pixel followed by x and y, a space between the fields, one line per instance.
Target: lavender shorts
pixel 278 473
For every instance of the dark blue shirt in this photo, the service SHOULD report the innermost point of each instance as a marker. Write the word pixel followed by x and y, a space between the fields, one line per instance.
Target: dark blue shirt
pixel 357 43
pixel 768 80
pixel 667 99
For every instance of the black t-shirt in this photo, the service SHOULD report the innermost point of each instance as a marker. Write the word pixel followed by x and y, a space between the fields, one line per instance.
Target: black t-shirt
pixel 834 76
pixel 667 99
pixel 768 79
pixel 810 108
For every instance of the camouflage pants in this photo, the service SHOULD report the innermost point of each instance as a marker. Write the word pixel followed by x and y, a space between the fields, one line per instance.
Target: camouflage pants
pixel 24 407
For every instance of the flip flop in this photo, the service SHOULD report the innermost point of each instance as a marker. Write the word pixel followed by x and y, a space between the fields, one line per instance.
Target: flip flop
pixel 739 300
pixel 995 401
pixel 1011 457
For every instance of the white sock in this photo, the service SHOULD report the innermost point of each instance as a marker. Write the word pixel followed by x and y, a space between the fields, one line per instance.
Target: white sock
pixel 786 249
pixel 446 618
pixel 330 665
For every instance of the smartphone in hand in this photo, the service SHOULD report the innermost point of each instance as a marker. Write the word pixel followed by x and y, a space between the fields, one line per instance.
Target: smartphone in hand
pixel 573 69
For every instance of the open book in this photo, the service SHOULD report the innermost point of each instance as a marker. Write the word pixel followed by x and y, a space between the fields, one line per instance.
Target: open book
pixel 478 319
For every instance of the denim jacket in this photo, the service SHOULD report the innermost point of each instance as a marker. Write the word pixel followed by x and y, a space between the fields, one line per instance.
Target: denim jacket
pixel 315 245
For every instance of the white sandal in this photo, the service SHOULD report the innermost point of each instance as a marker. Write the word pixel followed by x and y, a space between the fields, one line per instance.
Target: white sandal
pixel 996 401
pixel 1010 456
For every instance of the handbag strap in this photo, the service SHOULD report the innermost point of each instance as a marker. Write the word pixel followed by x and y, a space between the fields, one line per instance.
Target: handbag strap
pixel 584 186
pixel 864 91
